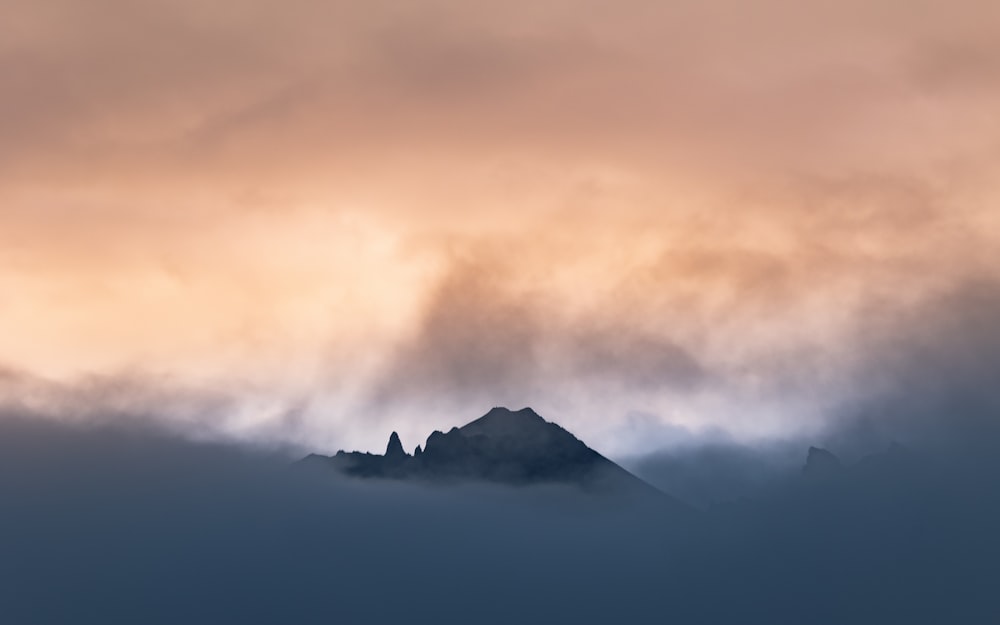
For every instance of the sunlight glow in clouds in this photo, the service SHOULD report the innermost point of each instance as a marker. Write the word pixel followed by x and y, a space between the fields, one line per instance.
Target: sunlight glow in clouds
pixel 385 216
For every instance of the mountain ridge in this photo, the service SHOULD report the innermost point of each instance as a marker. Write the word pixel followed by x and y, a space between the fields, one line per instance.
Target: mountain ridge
pixel 511 447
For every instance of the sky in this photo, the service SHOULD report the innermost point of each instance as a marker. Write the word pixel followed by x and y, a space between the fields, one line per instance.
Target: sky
pixel 312 223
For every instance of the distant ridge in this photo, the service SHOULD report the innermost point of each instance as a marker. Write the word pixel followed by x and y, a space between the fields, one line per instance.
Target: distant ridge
pixel 503 446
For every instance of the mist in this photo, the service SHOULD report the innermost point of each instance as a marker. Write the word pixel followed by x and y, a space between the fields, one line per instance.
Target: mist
pixel 116 523
pixel 123 526
pixel 746 250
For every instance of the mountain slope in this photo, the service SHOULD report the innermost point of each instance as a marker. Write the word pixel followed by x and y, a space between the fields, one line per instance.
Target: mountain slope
pixel 503 446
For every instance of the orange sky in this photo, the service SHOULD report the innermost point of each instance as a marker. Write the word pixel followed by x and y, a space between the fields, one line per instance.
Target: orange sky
pixel 352 217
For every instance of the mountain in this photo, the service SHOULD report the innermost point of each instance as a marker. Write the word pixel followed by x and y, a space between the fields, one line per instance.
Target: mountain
pixel 503 446
pixel 821 463
pixel 894 465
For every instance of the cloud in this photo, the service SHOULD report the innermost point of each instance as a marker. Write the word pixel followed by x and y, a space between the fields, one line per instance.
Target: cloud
pixel 484 337
pixel 299 220
pixel 923 375
pixel 142 404
pixel 193 530
pixel 681 209
pixel 929 375
pixel 708 472
pixel 135 86
pixel 955 66
pixel 109 525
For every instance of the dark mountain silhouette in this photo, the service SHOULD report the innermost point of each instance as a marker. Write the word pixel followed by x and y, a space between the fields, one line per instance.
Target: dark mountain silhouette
pixel 504 446
pixel 821 463
pixel 394 450
pixel 896 464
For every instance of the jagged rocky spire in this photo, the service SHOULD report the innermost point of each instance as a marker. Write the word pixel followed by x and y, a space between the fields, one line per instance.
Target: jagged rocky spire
pixel 395 448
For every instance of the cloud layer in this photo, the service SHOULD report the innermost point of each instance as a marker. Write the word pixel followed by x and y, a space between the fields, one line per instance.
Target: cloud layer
pixel 114 525
pixel 388 217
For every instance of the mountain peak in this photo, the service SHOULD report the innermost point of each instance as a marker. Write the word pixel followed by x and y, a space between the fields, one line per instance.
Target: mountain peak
pixel 395 447
pixel 506 423
pixel 523 412
pixel 514 447
pixel 821 463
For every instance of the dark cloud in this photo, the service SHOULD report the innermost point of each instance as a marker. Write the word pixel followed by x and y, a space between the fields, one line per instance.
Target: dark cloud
pixel 484 338
pixel 956 66
pixel 104 525
pixel 114 519
pixel 144 403
pixel 476 339
pixel 708 472
pixel 634 358
pixel 121 525
pixel 926 376
pixel 929 376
